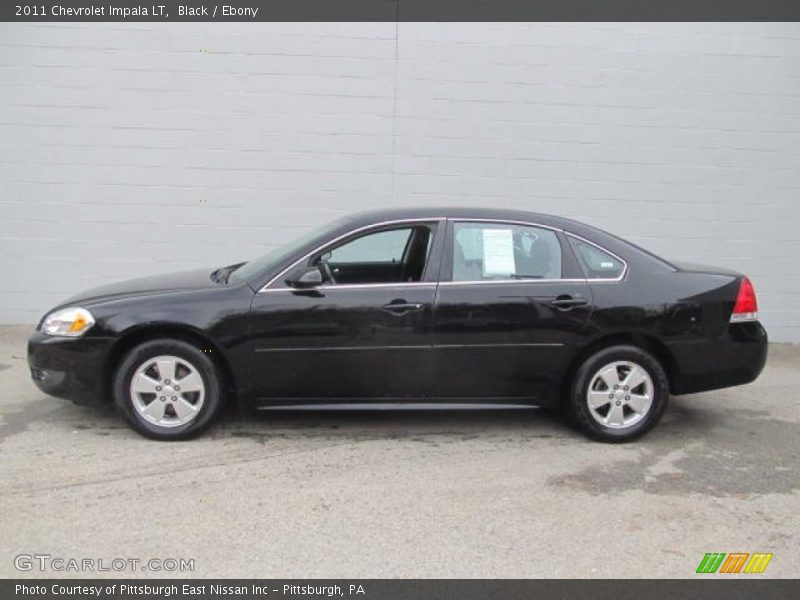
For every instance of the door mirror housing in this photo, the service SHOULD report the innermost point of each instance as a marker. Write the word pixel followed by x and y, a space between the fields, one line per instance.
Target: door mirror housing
pixel 307 278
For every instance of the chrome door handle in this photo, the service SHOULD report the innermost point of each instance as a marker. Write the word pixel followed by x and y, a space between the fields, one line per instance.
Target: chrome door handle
pixel 567 302
pixel 401 307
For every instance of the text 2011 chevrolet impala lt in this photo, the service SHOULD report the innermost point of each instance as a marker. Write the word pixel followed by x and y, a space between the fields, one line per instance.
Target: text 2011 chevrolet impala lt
pixel 411 307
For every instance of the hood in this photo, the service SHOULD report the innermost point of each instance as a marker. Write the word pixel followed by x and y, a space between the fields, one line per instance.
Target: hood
pixel 156 284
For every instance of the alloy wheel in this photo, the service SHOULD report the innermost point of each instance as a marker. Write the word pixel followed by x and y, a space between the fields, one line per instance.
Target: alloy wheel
pixel 620 394
pixel 167 391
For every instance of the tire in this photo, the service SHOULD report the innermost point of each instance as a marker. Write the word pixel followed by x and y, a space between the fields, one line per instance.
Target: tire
pixel 615 415
pixel 169 411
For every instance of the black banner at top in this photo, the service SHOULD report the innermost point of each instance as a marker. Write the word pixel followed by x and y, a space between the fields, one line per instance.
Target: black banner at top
pixel 399 10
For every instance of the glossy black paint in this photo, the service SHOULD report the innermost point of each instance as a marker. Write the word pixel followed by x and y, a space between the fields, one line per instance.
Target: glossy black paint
pixel 505 341
pixel 347 343
pixel 435 339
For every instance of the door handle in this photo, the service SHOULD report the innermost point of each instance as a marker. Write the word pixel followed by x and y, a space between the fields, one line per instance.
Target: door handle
pixel 567 302
pixel 401 307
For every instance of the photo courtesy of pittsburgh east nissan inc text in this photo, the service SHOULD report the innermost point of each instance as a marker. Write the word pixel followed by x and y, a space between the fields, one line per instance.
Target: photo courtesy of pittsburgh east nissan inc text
pixel 199 589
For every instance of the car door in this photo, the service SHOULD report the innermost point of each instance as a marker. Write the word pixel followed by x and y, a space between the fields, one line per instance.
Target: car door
pixel 365 334
pixel 511 307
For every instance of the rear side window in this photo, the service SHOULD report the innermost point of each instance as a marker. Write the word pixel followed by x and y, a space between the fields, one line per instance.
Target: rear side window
pixel 484 251
pixel 596 263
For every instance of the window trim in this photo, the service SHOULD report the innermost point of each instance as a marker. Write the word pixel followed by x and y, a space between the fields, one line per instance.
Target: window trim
pixel 353 232
pixel 529 281
pixel 444 234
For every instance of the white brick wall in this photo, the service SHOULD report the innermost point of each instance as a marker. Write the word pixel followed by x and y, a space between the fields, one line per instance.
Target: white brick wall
pixel 129 149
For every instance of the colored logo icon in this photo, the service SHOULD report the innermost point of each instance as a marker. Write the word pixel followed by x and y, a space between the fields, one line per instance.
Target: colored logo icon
pixel 734 562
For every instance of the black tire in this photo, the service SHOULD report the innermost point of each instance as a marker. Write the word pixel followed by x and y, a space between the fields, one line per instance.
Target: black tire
pixel 200 361
pixel 577 405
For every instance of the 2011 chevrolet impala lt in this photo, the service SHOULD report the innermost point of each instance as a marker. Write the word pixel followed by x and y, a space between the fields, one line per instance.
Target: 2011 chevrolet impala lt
pixel 412 308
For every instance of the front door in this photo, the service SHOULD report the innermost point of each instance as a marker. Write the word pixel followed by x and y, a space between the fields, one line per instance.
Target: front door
pixel 363 334
pixel 511 308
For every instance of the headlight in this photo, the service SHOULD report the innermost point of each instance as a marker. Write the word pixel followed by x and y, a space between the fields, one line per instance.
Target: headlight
pixel 70 322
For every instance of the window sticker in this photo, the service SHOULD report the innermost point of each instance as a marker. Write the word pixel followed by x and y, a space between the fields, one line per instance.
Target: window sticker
pixel 498 252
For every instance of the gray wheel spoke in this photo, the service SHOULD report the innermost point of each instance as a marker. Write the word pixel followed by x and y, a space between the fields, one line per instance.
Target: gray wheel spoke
pixel 639 403
pixel 155 409
pixel 166 369
pixel 143 384
pixel 635 378
pixel 616 415
pixel 183 409
pixel 598 399
pixel 191 382
pixel 610 376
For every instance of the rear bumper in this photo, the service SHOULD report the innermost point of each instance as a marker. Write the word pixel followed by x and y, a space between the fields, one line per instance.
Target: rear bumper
pixel 736 358
pixel 70 368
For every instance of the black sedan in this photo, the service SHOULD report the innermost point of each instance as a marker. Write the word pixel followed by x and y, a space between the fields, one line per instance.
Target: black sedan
pixel 412 308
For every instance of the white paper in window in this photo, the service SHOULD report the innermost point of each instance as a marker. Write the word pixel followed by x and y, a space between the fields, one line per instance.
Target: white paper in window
pixel 498 252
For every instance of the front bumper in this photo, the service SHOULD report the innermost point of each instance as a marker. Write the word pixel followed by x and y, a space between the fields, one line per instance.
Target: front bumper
pixel 736 358
pixel 71 368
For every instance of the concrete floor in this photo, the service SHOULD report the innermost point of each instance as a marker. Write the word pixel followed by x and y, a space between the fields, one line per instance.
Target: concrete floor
pixel 493 494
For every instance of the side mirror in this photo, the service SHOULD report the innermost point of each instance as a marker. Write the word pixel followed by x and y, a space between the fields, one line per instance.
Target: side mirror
pixel 307 278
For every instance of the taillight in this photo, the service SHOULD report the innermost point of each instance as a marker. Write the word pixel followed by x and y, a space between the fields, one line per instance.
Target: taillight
pixel 746 307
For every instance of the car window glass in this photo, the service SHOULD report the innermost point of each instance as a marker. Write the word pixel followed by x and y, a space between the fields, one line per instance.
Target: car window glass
pixel 384 246
pixel 487 251
pixel 596 263
pixel 387 256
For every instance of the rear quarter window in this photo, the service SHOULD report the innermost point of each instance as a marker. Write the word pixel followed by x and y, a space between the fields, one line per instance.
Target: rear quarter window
pixel 595 262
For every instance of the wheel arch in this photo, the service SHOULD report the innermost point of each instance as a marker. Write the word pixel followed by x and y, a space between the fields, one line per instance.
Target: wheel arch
pixel 646 342
pixel 139 334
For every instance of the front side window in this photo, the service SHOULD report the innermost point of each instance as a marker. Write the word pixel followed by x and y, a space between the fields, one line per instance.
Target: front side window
pixel 384 246
pixel 394 255
pixel 489 251
pixel 596 263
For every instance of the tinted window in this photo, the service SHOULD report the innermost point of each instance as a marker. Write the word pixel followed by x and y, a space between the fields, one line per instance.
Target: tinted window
pixel 384 246
pixel 486 251
pixel 596 263
pixel 386 256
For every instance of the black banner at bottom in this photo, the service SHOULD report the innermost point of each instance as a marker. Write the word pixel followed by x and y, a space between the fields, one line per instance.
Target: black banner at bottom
pixel 398 589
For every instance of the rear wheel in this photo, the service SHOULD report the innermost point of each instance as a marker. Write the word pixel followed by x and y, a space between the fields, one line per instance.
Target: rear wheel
pixel 618 394
pixel 167 389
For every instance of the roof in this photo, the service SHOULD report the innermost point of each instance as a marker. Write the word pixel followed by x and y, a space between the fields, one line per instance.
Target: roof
pixel 604 239
pixel 455 212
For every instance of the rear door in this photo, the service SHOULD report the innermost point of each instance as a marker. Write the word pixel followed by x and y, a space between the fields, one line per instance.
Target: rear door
pixel 510 311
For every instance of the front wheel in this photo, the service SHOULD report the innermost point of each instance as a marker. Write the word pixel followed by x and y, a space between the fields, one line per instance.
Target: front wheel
pixel 167 389
pixel 618 394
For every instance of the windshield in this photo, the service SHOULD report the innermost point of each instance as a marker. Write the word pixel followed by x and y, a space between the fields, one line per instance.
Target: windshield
pixel 281 253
